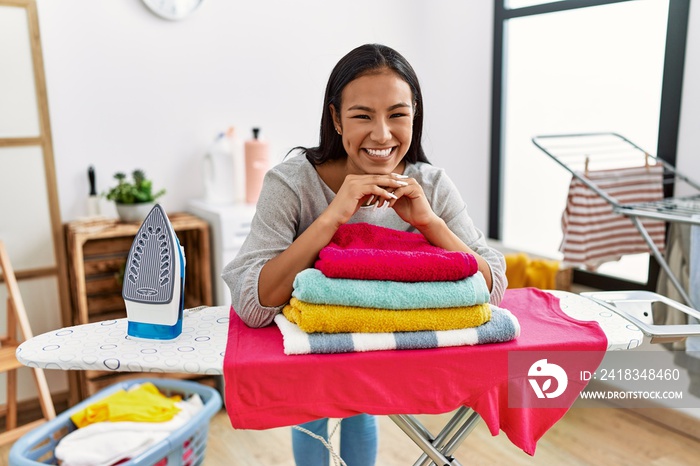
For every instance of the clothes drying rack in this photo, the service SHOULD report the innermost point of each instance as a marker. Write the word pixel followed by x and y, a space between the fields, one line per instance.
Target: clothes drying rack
pixel 579 153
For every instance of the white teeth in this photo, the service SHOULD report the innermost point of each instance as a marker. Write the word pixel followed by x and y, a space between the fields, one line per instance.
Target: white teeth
pixel 379 153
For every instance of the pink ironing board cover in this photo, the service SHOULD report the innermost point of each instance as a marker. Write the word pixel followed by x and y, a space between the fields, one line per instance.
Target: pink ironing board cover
pixel 264 388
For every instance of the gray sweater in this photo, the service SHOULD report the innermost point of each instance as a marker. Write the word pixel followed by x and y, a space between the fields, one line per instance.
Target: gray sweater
pixel 293 196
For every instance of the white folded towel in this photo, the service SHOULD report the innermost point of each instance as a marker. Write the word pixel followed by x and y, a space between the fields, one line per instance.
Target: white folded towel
pixel 502 327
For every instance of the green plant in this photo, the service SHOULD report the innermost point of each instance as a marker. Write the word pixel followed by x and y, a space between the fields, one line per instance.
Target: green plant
pixel 138 191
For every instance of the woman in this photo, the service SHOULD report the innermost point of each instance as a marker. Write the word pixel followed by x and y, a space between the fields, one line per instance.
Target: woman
pixel 369 167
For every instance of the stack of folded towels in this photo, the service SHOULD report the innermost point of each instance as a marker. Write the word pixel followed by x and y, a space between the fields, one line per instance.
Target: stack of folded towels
pixel 375 288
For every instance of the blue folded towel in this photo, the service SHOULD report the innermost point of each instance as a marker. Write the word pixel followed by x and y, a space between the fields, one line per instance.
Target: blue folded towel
pixel 502 327
pixel 312 286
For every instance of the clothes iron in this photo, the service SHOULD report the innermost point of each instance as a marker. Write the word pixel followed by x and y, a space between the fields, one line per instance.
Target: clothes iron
pixel 154 280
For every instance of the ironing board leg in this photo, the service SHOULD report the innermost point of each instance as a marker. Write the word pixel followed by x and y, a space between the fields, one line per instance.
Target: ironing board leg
pixel 462 433
pixel 414 424
pixel 438 450
pixel 424 444
pixel 441 438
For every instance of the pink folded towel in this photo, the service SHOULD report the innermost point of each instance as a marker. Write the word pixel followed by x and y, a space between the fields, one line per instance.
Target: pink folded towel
pixel 370 252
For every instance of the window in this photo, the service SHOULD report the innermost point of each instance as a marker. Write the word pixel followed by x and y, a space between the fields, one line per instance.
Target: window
pixel 575 67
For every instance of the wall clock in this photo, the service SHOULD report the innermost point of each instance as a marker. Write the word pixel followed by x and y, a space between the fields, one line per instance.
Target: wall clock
pixel 173 9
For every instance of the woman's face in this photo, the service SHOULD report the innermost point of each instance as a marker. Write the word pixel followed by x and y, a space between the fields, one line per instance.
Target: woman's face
pixel 376 122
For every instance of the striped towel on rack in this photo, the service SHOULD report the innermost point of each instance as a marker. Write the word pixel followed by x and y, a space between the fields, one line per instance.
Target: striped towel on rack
pixel 593 234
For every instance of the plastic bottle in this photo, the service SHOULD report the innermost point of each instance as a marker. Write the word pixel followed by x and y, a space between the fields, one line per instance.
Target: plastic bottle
pixel 237 151
pixel 257 162
pixel 218 172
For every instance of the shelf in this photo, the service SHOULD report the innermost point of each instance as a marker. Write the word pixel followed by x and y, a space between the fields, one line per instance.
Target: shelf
pixel 8 361
pixel 97 251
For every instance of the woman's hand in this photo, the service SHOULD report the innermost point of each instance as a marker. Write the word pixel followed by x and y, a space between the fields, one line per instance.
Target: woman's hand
pixel 359 190
pixel 412 205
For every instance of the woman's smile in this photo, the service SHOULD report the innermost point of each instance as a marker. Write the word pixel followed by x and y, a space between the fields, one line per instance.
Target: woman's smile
pixel 380 153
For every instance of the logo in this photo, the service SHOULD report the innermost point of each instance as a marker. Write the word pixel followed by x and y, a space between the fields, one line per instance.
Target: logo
pixel 541 369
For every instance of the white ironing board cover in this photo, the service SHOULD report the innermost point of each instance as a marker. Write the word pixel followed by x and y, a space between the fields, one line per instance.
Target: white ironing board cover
pixel 201 346
pixel 106 346
pixel 621 333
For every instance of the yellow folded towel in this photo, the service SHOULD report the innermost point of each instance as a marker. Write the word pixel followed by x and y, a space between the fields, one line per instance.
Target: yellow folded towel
pixel 140 404
pixel 332 318
pixel 521 271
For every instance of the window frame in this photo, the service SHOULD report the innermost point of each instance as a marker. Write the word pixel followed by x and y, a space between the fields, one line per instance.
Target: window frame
pixel 671 95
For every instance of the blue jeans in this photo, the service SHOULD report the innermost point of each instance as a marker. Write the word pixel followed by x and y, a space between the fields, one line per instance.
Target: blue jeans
pixel 358 442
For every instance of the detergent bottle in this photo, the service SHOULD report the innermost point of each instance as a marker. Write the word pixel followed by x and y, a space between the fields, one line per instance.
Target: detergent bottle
pixel 257 162
pixel 238 153
pixel 218 172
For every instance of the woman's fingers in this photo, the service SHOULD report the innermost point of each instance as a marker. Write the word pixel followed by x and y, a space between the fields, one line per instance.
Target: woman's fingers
pixel 384 195
pixel 374 189
pixel 407 187
pixel 402 193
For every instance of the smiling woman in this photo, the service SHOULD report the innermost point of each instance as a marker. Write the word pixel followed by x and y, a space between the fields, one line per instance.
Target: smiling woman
pixel 369 167
pixel 375 122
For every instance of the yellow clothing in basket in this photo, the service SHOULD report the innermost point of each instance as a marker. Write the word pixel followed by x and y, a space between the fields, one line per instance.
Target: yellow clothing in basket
pixel 332 318
pixel 140 404
pixel 521 271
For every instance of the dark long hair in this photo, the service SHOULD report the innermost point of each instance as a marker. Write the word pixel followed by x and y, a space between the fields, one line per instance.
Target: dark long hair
pixel 361 61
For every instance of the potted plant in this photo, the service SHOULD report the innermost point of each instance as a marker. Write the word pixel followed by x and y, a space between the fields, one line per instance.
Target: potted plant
pixel 134 198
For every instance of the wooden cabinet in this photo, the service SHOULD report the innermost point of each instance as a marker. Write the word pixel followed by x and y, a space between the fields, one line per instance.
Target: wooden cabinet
pixel 97 251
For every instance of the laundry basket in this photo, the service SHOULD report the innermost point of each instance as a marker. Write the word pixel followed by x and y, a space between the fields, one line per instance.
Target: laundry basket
pixel 184 446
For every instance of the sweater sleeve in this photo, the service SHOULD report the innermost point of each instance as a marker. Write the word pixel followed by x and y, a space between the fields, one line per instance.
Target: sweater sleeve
pixel 449 205
pixel 273 229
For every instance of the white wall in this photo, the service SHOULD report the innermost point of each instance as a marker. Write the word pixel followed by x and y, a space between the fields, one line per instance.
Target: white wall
pixel 129 90
pixel 455 70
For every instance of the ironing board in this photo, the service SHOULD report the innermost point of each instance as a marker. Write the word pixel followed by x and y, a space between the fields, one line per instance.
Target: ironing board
pixel 201 348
